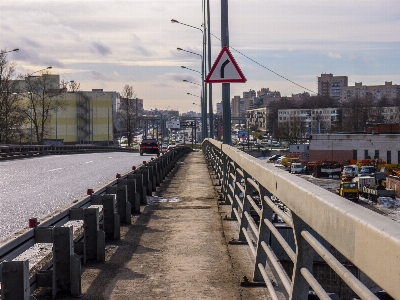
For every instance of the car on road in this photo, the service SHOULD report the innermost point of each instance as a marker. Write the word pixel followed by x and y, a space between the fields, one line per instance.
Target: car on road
pixel 164 147
pixel 170 147
pixel 149 146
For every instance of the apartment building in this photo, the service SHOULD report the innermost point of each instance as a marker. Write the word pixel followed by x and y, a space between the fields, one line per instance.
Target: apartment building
pixel 308 121
pixel 388 90
pixel 331 86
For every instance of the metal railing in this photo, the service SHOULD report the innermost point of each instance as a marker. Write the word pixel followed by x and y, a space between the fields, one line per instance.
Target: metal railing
pixel 359 246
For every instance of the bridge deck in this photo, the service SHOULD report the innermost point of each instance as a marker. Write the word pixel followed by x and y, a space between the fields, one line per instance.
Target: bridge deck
pixel 177 248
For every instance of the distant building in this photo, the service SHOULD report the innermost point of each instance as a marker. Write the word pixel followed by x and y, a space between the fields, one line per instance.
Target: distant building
pixel 309 121
pixel 380 143
pixel 331 86
pixel 388 90
pixel 219 108
pixel 237 108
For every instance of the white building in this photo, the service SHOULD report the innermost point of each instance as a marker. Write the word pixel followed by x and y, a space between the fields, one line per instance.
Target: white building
pixel 343 147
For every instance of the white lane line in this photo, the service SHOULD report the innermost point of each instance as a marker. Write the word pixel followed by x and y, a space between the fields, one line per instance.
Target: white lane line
pixel 88 162
pixel 55 169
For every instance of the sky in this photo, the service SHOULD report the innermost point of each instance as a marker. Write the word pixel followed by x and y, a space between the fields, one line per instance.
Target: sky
pixel 107 44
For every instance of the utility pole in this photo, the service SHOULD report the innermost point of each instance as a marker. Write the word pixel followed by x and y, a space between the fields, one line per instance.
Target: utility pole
pixel 226 87
pixel 210 102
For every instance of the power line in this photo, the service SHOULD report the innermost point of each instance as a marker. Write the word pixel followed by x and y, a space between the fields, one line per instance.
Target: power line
pixel 291 81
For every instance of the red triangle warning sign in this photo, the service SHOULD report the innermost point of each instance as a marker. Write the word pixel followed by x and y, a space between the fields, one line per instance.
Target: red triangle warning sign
pixel 225 69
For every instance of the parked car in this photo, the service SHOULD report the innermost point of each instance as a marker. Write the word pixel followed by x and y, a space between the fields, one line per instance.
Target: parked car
pixel 258 146
pixel 275 144
pixel 149 146
pixel 274 157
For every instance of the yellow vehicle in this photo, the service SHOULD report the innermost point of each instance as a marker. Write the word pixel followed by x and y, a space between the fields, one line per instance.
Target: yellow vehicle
pixel 287 161
pixel 349 190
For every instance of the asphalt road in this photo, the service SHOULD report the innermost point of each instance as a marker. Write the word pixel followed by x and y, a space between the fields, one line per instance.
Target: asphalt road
pixel 36 187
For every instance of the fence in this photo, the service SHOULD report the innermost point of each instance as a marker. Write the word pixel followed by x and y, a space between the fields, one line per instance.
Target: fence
pixel 359 246
pixel 49 255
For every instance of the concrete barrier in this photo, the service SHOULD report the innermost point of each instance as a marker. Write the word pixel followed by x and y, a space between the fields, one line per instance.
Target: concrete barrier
pixel 50 256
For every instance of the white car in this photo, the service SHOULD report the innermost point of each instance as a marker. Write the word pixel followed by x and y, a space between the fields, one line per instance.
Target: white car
pixel 164 147
pixel 275 144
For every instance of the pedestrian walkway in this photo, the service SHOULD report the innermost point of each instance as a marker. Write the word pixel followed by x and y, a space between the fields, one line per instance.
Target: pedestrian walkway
pixel 176 248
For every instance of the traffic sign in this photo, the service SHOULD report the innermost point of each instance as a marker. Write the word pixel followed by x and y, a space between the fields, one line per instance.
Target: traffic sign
pixel 225 69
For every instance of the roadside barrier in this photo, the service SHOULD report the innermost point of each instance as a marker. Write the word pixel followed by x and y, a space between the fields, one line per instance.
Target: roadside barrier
pixel 323 242
pixel 20 151
pixel 49 256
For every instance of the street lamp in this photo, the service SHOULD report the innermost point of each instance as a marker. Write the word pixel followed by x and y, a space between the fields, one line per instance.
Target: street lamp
pixel 203 92
pixel 14 50
pixel 184 80
pixel 30 93
pixel 203 68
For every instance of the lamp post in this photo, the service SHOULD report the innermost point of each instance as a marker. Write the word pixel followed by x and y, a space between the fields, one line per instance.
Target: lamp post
pixel 203 67
pixel 184 80
pixel 30 93
pixel 14 50
pixel 203 94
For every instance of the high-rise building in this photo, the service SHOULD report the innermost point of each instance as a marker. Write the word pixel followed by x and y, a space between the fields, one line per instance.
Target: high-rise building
pixel 331 86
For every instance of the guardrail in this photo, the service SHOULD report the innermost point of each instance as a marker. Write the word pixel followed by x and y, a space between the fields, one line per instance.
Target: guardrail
pixel 324 237
pixel 50 254
pixel 18 151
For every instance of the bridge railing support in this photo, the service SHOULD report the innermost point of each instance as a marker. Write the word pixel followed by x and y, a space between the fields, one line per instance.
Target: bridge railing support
pixel 325 228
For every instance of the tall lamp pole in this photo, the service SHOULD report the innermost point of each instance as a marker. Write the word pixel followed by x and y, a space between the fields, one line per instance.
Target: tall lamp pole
pixel 204 86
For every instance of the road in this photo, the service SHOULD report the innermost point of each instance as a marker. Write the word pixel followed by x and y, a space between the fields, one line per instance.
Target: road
pixel 36 187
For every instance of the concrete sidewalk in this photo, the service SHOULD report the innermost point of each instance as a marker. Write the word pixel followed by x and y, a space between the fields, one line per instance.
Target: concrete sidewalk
pixel 176 248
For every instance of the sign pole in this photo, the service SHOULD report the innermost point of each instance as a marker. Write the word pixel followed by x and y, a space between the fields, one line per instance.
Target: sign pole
pixel 226 87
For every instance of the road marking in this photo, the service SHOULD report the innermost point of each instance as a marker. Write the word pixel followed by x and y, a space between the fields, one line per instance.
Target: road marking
pixel 88 162
pixel 55 169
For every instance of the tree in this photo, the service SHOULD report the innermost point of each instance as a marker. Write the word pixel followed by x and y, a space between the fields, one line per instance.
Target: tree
pixel 71 86
pixel 44 99
pixel 355 114
pixel 128 111
pixel 11 108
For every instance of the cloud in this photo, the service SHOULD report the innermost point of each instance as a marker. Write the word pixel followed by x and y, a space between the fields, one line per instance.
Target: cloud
pixel 142 51
pixel 28 42
pixel 33 58
pixel 334 55
pixel 99 76
pixel 100 48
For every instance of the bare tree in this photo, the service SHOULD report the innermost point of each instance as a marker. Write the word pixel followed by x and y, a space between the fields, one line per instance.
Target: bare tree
pixel 12 115
pixel 44 99
pixel 70 86
pixel 128 111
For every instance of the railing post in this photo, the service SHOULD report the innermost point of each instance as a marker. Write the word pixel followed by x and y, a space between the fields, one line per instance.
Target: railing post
pixel 236 191
pixel 304 259
pixel 111 218
pixel 141 192
pixel 15 280
pixel 264 235
pixel 123 205
pixel 244 223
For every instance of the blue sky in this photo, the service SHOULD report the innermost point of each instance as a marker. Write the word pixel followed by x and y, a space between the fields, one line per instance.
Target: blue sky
pixel 107 44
